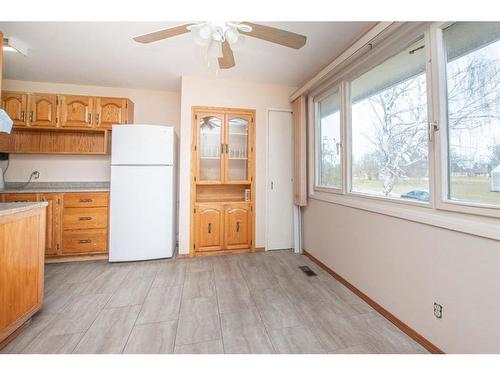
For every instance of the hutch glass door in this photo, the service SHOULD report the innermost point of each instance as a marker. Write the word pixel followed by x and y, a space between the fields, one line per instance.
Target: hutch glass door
pixel 210 142
pixel 237 148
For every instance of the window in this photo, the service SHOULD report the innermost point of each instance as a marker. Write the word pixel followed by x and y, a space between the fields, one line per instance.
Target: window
pixel 473 111
pixel 329 142
pixel 389 130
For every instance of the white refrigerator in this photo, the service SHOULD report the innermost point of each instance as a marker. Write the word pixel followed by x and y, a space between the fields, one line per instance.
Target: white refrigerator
pixel 143 203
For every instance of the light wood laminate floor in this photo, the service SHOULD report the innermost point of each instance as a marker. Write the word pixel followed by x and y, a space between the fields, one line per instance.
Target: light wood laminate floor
pixel 247 303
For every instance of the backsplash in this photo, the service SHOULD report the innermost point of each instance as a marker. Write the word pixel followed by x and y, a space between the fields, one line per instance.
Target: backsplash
pixel 55 168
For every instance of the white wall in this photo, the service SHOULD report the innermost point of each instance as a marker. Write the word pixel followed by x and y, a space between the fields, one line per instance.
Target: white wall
pixel 226 93
pixel 150 107
pixel 406 266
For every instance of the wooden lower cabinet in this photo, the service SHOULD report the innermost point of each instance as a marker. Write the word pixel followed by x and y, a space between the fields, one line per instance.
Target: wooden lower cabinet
pixel 237 226
pixel 53 226
pixel 21 269
pixel 76 223
pixel 209 222
pixel 223 227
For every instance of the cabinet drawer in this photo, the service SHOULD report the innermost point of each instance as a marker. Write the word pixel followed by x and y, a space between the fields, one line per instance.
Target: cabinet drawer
pixel 86 200
pixel 19 197
pixel 85 218
pixel 85 241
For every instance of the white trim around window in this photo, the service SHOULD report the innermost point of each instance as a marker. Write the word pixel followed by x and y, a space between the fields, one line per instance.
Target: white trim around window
pixel 439 117
pixel 471 218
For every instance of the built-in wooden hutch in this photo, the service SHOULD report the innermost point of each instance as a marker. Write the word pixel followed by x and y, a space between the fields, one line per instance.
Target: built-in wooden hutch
pixel 222 181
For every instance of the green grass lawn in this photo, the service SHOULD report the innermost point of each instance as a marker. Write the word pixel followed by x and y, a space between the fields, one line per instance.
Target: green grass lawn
pixel 471 189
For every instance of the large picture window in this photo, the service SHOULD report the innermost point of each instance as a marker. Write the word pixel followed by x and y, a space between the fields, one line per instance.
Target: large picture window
pixel 473 116
pixel 329 142
pixel 389 130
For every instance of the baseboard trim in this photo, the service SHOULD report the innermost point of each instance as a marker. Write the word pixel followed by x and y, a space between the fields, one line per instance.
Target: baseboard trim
pixel 382 311
pixel 76 258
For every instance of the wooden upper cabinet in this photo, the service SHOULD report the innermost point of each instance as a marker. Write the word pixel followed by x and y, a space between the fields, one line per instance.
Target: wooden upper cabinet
pixel 16 106
pixel 43 110
pixel 110 111
pixel 237 226
pixel 76 111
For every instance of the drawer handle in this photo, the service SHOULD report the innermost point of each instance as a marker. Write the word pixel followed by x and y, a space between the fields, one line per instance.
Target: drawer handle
pixel 84 241
pixel 85 200
pixel 209 228
pixel 237 226
pixel 85 218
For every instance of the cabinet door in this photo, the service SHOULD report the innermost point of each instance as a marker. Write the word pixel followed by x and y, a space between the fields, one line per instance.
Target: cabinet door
pixel 238 150
pixel 209 139
pixel 209 227
pixel 53 223
pixel 110 111
pixel 238 226
pixel 76 111
pixel 16 106
pixel 43 111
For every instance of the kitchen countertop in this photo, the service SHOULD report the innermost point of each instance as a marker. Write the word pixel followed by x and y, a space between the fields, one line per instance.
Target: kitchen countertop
pixel 14 208
pixel 55 187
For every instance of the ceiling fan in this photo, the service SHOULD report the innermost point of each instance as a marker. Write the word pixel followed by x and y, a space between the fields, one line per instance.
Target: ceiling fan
pixel 219 37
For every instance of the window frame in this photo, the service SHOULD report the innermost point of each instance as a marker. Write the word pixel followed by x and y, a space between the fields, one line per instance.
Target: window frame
pixel 440 117
pixel 430 144
pixel 473 218
pixel 317 119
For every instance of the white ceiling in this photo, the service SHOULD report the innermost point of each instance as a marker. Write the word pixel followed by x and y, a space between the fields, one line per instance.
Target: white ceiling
pixel 104 54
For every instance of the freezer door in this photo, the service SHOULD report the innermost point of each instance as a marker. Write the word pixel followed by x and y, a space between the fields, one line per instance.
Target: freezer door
pixel 141 213
pixel 142 145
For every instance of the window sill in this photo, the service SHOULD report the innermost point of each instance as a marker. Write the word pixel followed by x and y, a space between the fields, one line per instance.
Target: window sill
pixel 459 222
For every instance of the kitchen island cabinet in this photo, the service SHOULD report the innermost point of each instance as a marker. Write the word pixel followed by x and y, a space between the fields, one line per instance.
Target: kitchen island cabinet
pixel 22 247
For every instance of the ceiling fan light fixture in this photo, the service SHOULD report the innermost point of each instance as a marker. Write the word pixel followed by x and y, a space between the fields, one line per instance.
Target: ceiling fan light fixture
pixel 244 28
pixel 232 35
pixel 214 50
pixel 205 31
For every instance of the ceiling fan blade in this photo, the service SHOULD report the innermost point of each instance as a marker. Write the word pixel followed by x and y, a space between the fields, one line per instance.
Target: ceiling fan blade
pixel 274 35
pixel 227 59
pixel 163 34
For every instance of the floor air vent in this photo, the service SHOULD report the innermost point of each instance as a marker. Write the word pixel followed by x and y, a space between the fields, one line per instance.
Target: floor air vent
pixel 307 271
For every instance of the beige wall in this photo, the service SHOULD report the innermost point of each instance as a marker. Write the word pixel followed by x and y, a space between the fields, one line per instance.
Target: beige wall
pixel 236 94
pixel 406 266
pixel 150 107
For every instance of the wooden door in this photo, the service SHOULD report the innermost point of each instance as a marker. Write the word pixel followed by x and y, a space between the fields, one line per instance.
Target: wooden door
pixel 53 223
pixel 238 150
pixel 110 111
pixel 208 147
pixel 237 226
pixel 76 111
pixel 209 227
pixel 43 110
pixel 16 106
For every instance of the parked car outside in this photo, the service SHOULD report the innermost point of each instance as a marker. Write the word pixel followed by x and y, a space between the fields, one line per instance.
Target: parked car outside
pixel 420 195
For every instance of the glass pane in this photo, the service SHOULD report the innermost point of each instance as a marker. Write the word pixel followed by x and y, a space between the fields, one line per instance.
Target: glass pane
pixel 473 90
pixel 389 128
pixel 237 166
pixel 329 171
pixel 210 152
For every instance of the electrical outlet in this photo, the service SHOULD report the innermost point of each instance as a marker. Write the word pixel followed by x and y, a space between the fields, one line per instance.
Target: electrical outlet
pixel 36 175
pixel 438 310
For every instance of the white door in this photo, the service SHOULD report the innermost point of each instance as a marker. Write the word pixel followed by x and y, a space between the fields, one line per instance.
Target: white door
pixel 141 213
pixel 279 181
